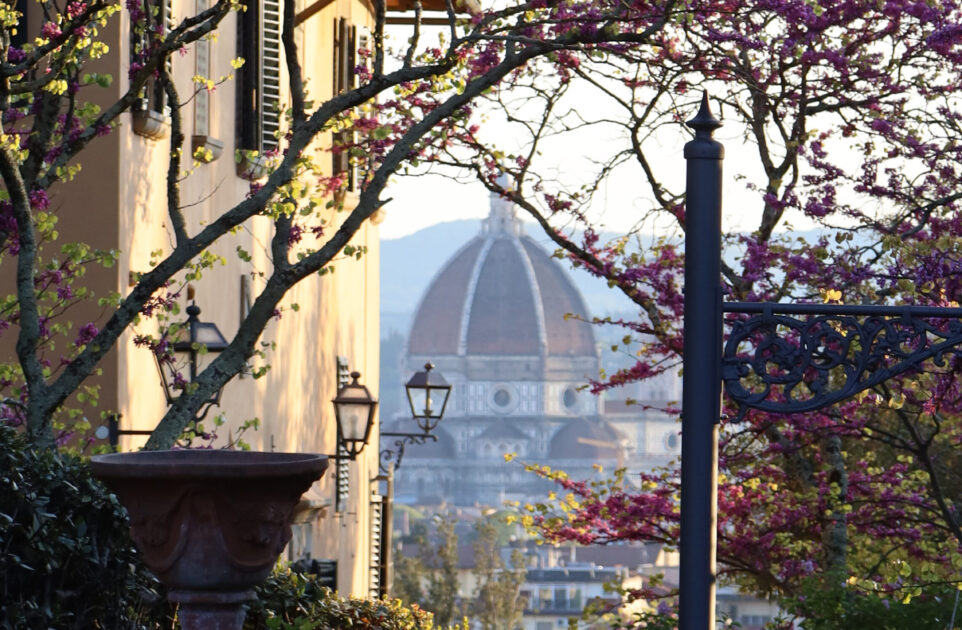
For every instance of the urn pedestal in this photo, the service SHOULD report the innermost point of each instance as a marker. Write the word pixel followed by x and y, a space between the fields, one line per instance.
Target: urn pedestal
pixel 210 524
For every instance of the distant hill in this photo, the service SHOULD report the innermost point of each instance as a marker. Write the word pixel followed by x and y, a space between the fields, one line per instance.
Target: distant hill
pixel 409 263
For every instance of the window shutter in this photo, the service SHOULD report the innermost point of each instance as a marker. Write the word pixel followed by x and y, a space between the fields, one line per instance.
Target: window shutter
pixel 159 12
pixel 342 481
pixel 248 45
pixel 347 39
pixel 270 79
pixel 376 585
pixel 202 68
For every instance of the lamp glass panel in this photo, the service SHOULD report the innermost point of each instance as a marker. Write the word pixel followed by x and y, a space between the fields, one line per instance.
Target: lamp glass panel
pixel 208 335
pixel 354 420
pixel 439 397
pixel 204 359
pixel 418 397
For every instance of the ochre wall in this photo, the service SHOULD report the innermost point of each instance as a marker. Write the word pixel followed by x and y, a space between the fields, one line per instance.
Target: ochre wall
pixel 119 201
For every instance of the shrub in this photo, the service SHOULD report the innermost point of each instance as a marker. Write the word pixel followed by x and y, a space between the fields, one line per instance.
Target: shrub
pixel 828 602
pixel 67 562
pixel 66 558
pixel 289 600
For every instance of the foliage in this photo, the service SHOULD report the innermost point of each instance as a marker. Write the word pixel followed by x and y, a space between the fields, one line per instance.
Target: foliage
pixel 497 600
pixel 66 557
pixel 442 589
pixel 842 607
pixel 661 619
pixel 430 579
pixel 408 578
pixel 396 109
pixel 290 600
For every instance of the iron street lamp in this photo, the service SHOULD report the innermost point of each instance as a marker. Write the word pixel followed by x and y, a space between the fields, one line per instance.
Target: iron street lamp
pixel 203 339
pixel 354 413
pixel 428 394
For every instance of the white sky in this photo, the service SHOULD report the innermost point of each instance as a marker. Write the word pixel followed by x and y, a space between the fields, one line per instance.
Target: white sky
pixel 419 202
pixel 422 201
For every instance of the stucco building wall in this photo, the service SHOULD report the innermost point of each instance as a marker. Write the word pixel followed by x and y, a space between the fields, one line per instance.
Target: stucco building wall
pixel 118 201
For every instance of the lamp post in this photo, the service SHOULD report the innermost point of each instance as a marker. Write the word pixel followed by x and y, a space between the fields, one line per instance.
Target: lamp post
pixel 203 339
pixel 428 393
pixel 763 368
pixel 700 379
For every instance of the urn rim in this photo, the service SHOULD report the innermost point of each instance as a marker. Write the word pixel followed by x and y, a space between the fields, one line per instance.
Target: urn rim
pixel 206 463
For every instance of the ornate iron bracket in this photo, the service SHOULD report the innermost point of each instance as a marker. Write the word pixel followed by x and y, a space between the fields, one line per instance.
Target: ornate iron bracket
pixel 392 456
pixel 775 362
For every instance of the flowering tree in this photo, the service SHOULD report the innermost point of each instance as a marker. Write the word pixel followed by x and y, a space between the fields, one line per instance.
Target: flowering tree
pixel 847 113
pixel 49 119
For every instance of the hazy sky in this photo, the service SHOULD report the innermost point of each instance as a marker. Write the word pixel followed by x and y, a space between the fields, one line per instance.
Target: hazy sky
pixel 418 202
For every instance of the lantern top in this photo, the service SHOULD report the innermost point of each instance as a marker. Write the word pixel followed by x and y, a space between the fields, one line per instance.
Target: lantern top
pixel 354 392
pixel 203 333
pixel 427 378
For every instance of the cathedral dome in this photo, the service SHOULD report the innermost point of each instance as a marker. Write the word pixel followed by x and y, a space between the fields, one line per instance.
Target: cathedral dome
pixel 501 294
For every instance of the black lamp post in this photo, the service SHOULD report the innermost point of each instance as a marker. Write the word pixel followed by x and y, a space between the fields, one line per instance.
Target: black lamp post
pixel 761 369
pixel 354 412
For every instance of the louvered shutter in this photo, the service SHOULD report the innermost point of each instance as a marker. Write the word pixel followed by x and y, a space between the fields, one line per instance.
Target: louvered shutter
pixel 158 12
pixel 342 482
pixel 270 79
pixel 377 540
pixel 202 68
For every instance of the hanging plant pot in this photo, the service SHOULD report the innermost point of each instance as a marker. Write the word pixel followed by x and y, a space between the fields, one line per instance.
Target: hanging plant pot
pixel 210 524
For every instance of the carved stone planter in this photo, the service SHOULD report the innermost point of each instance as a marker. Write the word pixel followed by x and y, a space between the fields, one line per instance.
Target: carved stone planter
pixel 210 524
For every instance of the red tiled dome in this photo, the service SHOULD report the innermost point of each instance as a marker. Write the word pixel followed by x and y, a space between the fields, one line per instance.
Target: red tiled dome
pixel 501 294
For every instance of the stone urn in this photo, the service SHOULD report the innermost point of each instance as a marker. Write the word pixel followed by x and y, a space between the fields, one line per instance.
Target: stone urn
pixel 209 523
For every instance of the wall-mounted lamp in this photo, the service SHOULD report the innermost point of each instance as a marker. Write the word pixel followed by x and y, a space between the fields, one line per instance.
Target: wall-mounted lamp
pixel 202 339
pixel 428 394
pixel 354 413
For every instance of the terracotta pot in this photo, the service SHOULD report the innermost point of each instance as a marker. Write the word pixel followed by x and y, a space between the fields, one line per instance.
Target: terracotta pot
pixel 210 524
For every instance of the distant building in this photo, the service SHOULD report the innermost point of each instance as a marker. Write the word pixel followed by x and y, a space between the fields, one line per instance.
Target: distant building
pixel 559 582
pixel 503 322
